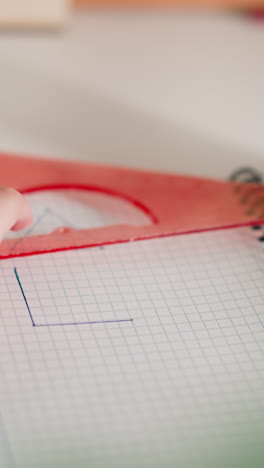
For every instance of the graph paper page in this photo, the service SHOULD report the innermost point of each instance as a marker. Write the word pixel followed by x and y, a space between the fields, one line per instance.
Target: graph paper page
pixel 148 354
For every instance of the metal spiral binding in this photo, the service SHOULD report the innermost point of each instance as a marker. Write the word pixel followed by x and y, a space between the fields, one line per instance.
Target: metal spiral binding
pixel 250 197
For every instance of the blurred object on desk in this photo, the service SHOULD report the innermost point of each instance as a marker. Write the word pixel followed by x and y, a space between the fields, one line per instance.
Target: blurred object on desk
pixel 192 3
pixel 33 14
pixel 167 90
pixel 53 14
pixel 258 14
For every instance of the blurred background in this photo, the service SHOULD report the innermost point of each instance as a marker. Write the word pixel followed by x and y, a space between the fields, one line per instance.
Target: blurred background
pixel 176 88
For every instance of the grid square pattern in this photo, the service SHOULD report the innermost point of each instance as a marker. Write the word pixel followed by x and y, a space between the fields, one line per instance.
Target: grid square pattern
pixel 181 385
pixel 73 293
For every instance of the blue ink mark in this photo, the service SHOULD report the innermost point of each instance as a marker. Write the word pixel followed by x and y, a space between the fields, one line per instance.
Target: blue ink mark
pixel 24 296
pixel 59 324
pixel 59 217
pixel 81 323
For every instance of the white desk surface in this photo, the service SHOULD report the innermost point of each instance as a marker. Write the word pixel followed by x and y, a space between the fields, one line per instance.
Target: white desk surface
pixel 178 91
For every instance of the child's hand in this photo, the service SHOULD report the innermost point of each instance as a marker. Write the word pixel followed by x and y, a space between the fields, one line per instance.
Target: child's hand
pixel 15 211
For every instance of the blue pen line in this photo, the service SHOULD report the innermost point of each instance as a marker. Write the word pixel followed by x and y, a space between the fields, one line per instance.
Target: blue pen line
pixel 24 296
pixel 63 324
pixel 59 324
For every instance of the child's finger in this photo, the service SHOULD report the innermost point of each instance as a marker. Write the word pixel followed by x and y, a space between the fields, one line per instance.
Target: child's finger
pixel 15 211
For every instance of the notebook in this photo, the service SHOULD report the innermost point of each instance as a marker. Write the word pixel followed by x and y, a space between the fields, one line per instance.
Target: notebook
pixel 144 354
